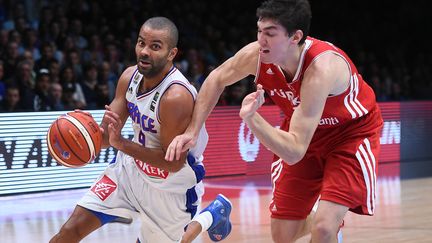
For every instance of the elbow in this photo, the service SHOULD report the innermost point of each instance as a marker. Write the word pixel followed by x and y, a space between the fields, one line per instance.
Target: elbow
pixel 294 158
pixel 291 161
pixel 215 80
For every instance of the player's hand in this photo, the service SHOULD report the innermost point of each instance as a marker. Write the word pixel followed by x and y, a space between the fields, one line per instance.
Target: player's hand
pixel 180 144
pixel 251 103
pixel 114 128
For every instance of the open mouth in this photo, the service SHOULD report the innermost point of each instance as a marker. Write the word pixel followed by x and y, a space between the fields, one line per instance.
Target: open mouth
pixel 144 63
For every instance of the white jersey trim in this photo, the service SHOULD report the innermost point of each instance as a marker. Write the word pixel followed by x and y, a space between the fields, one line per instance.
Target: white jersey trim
pixel 140 96
pixel 308 44
pixel 368 168
pixel 276 167
pixel 169 85
pixel 258 69
pixel 353 105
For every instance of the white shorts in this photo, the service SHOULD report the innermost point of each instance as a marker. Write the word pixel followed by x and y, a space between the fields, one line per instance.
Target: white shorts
pixel 121 191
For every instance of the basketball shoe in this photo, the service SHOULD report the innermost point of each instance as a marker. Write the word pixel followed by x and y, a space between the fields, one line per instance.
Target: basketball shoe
pixel 220 210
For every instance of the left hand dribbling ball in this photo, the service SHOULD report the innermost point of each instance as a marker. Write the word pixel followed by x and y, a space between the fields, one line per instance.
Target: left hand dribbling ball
pixel 74 139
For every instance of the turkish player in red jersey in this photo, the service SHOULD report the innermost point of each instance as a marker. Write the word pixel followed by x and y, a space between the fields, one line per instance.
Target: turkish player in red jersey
pixel 326 147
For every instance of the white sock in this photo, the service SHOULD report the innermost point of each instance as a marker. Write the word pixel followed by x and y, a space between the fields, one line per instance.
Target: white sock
pixel 205 219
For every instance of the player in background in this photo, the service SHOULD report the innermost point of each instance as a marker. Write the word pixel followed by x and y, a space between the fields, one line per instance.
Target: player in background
pixel 139 182
pixel 328 143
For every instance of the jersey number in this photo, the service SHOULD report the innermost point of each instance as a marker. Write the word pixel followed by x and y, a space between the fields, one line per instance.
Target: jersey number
pixel 141 138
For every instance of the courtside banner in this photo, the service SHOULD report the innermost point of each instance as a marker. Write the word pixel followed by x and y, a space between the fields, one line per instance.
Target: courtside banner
pixel 26 166
pixel 233 149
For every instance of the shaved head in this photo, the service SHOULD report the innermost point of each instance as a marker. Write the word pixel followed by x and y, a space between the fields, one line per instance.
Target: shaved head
pixel 162 23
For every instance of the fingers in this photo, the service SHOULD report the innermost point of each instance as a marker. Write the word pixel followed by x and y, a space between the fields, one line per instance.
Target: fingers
pixel 170 153
pixel 178 149
pixel 111 128
pixel 113 135
pixel 260 93
pixel 260 97
pixel 177 146
pixel 113 120
pixel 111 115
pixel 114 132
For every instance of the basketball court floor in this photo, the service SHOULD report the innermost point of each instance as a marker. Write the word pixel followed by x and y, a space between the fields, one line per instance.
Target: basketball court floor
pixel 403 214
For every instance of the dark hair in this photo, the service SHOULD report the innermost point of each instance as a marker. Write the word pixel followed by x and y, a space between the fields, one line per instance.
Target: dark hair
pixel 291 14
pixel 164 23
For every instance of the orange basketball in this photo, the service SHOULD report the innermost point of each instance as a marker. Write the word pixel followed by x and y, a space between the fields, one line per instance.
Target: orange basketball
pixel 74 139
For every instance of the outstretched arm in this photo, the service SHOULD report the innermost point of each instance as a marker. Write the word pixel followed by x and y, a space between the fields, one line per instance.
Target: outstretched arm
pixel 242 64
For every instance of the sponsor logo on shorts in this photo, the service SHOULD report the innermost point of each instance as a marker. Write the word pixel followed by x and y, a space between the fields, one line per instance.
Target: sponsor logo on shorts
pixel 104 187
pixel 152 171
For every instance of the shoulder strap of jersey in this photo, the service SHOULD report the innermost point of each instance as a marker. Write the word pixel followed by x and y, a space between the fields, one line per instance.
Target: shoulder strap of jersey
pixel 135 79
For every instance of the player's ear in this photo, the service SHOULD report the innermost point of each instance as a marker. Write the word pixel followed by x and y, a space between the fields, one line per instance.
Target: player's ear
pixel 297 36
pixel 172 53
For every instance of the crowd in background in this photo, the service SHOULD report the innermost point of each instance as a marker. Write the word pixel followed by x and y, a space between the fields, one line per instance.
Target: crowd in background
pixel 63 55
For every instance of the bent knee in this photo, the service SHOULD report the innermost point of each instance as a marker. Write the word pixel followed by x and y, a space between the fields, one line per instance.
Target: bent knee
pixel 323 230
pixel 284 231
pixel 282 237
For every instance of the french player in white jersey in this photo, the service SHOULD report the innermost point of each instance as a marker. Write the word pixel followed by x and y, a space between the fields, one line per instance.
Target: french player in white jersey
pixel 139 182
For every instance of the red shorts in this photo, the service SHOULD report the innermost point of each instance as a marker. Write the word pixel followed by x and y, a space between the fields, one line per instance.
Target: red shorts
pixel 340 166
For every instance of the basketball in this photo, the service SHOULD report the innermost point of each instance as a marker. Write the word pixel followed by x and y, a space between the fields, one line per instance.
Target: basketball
pixel 74 139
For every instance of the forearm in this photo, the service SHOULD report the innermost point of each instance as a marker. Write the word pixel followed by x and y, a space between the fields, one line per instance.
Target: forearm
pixel 207 99
pixel 282 143
pixel 153 157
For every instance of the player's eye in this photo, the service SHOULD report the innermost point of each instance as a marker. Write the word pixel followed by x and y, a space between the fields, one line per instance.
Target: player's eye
pixel 155 47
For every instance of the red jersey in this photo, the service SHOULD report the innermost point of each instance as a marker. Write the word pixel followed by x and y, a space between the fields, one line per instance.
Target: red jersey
pixel 355 102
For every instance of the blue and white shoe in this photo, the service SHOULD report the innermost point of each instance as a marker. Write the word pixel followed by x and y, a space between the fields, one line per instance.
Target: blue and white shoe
pixel 220 209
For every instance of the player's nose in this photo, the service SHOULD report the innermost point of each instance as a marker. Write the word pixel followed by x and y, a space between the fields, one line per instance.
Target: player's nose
pixel 144 51
pixel 261 40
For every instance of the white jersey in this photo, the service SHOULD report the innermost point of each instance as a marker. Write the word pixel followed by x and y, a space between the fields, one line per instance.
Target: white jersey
pixel 165 201
pixel 144 112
